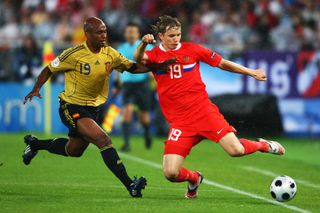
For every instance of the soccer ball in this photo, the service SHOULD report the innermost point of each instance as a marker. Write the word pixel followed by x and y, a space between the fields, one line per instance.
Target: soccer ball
pixel 283 188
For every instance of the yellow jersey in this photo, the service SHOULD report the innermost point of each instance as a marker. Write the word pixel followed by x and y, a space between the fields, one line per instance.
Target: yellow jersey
pixel 87 74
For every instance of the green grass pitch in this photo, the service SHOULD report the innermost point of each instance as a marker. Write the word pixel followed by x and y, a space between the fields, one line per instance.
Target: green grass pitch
pixel 54 183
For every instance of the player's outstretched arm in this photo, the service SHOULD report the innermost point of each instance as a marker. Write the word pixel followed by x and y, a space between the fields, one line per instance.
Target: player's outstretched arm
pixel 258 74
pixel 42 78
pixel 139 55
pixel 141 68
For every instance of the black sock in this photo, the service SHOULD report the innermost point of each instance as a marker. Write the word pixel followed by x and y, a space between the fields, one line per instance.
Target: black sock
pixel 126 133
pixel 56 146
pixel 113 162
pixel 147 137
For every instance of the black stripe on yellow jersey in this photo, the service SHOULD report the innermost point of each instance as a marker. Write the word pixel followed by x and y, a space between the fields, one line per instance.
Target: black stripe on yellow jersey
pixel 68 52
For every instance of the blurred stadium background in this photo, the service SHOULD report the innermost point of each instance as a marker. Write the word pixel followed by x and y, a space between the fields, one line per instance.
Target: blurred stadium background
pixel 282 36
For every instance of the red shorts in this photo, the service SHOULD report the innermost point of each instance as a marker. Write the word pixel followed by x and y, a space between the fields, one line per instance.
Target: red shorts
pixel 181 140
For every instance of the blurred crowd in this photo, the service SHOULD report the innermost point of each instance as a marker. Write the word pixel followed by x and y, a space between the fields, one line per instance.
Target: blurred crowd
pixel 227 26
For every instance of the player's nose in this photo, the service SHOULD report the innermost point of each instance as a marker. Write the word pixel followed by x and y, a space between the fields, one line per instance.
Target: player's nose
pixel 104 35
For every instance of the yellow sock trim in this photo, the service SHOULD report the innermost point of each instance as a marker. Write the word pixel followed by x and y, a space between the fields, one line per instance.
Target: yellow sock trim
pixel 105 148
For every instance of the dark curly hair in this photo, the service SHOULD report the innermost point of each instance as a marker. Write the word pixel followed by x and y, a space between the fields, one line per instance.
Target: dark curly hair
pixel 165 23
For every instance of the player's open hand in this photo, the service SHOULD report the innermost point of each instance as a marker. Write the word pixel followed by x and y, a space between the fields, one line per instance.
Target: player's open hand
pixel 31 95
pixel 148 39
pixel 259 75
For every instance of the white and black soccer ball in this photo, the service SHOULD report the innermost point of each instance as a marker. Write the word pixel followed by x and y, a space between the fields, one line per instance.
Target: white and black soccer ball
pixel 283 188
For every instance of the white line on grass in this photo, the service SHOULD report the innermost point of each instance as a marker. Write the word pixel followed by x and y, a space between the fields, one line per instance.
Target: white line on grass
pixel 272 174
pixel 212 183
pixel 90 186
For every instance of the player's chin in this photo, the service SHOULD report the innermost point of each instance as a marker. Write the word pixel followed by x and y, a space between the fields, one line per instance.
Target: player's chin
pixel 102 44
pixel 175 45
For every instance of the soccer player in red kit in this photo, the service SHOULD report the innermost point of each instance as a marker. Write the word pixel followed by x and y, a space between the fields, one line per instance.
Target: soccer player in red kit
pixel 186 105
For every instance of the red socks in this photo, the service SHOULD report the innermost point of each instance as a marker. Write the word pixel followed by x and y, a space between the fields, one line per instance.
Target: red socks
pixel 253 146
pixel 186 175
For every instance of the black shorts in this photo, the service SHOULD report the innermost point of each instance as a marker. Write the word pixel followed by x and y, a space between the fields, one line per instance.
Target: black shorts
pixel 138 94
pixel 70 113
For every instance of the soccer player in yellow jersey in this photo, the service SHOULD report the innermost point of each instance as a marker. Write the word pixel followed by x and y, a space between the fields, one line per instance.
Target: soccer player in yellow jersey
pixel 87 68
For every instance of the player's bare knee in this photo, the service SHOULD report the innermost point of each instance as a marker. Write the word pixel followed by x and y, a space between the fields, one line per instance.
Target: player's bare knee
pixel 171 174
pixel 236 151
pixel 171 177
pixel 74 153
pixel 102 140
pixel 107 139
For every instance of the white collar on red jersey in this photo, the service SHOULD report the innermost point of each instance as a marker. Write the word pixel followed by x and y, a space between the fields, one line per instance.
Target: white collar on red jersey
pixel 162 48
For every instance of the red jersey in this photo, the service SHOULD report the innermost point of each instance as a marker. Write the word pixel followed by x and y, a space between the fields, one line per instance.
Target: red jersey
pixel 183 98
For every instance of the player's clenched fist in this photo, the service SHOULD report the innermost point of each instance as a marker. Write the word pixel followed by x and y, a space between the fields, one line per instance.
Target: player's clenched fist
pixel 260 75
pixel 148 39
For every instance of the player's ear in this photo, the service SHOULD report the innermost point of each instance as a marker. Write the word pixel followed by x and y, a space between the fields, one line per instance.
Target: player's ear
pixel 86 33
pixel 160 35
